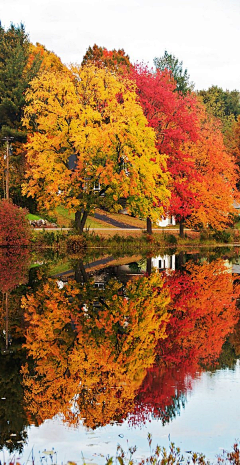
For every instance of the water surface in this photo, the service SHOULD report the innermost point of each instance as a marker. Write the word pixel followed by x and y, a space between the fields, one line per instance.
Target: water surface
pixel 101 352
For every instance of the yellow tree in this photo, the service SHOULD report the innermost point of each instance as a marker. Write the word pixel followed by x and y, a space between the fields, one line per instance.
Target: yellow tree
pixel 93 116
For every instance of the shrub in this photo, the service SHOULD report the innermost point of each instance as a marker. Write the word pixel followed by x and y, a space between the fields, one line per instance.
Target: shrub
pixel 204 235
pixel 76 243
pixel 171 239
pixel 222 236
pixel 14 227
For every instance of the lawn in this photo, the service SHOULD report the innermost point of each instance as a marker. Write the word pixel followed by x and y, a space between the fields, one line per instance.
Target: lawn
pixel 32 217
pixel 64 219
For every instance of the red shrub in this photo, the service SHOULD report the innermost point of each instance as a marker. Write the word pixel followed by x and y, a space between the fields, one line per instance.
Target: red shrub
pixel 14 227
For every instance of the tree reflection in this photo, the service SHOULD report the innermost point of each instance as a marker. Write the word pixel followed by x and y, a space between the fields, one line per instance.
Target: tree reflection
pixel 90 349
pixel 14 263
pixel 203 313
pixel 98 355
pixel 13 419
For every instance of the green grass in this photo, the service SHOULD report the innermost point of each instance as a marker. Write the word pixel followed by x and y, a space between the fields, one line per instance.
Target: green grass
pixel 32 217
pixel 60 268
pixel 237 225
pixel 65 213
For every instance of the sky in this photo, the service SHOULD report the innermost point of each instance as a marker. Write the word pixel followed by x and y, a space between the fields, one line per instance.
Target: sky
pixel 203 34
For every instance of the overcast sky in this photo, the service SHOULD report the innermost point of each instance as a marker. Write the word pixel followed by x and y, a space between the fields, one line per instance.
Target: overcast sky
pixel 204 34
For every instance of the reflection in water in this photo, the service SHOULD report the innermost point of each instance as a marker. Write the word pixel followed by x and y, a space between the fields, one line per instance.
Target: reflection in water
pixel 90 348
pixel 106 349
pixel 14 264
pixel 203 313
pixel 13 417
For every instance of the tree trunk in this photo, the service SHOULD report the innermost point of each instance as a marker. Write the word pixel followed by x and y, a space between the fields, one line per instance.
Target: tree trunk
pixel 80 220
pixel 149 225
pixel 149 265
pixel 80 272
pixel 181 228
pixel 181 260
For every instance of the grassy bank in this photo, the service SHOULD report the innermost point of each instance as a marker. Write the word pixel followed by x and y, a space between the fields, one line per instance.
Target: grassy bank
pixel 126 240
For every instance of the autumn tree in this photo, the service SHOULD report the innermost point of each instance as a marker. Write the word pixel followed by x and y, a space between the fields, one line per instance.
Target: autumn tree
pixel 101 57
pixel 216 186
pixel 174 118
pixel 236 141
pixel 163 392
pixel 203 173
pixel 92 115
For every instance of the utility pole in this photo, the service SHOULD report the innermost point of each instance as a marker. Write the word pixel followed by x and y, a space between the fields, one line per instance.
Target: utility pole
pixel 7 139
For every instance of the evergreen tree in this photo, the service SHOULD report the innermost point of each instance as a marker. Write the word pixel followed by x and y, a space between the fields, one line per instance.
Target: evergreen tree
pixel 175 67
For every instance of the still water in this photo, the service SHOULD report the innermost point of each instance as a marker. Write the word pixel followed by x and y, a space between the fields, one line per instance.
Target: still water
pixel 101 351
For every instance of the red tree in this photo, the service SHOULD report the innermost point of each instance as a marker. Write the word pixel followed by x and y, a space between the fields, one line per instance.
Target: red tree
pixel 101 57
pixel 175 120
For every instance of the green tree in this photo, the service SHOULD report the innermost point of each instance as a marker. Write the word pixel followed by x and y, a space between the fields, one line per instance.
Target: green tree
pixel 14 79
pixel 225 106
pixel 175 67
pixel 16 71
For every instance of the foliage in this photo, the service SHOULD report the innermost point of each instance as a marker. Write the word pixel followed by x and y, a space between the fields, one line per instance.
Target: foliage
pixel 192 320
pixel 95 115
pixel 175 120
pixel 14 228
pixel 236 141
pixel 224 105
pixel 14 78
pixel 101 57
pixel 203 313
pixel 20 62
pixel 216 187
pixel 203 174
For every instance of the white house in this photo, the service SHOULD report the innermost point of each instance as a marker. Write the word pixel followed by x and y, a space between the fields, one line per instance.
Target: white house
pixel 167 262
pixel 169 220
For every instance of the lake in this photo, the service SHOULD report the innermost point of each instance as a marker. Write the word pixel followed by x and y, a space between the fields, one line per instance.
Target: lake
pixel 102 350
